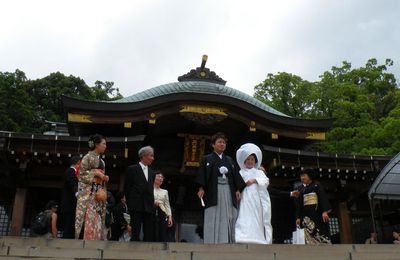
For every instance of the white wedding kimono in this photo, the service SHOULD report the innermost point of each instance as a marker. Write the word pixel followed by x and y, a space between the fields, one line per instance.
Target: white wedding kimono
pixel 254 222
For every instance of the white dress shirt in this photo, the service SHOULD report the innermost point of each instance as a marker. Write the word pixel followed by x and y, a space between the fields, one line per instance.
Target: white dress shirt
pixel 145 169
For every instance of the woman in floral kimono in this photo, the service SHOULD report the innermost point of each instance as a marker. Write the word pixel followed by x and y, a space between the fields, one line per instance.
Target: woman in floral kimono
pixel 90 211
pixel 312 210
pixel 254 222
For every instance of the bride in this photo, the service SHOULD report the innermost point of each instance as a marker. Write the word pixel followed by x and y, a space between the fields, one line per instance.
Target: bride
pixel 254 222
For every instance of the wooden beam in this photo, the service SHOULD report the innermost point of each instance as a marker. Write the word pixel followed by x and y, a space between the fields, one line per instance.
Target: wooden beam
pixel 18 212
pixel 344 224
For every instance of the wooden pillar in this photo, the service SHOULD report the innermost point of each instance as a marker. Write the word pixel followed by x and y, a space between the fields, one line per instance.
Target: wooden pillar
pixel 18 213
pixel 344 224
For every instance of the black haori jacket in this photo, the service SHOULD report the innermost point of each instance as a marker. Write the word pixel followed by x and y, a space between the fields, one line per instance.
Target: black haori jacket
pixel 207 177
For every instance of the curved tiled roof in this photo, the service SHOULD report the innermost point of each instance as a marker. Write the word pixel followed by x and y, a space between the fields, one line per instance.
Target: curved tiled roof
pixel 197 87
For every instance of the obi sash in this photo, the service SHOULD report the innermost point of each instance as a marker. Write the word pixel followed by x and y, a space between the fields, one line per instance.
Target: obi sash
pixel 310 199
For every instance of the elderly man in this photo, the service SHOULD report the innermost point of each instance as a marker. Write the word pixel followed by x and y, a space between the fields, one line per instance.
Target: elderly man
pixel 139 179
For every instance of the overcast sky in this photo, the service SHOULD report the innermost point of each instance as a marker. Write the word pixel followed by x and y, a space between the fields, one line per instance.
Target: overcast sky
pixel 142 44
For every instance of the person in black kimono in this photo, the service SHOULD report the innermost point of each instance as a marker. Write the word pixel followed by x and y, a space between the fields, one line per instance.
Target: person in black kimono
pixel 68 199
pixel 220 185
pixel 312 210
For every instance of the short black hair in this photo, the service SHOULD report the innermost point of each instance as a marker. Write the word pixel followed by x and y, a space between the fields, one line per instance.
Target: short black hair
pixel 217 136
pixel 51 204
pixel 75 159
pixel 157 172
pixel 310 172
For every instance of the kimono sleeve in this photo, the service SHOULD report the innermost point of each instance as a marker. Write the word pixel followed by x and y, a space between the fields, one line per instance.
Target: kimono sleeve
pixel 323 201
pixel 201 178
pixel 262 179
pixel 237 178
pixel 276 192
pixel 86 172
pixel 298 202
pixel 167 205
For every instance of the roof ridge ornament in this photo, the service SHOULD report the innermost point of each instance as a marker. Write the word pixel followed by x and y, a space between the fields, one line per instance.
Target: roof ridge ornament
pixel 202 74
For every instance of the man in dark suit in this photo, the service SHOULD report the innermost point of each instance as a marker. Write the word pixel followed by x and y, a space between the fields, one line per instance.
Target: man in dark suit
pixel 68 200
pixel 139 180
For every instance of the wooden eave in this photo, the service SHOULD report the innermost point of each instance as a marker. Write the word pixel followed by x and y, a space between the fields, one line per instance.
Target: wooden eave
pixel 163 103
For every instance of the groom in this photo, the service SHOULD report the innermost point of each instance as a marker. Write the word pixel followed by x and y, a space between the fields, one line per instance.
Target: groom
pixel 139 194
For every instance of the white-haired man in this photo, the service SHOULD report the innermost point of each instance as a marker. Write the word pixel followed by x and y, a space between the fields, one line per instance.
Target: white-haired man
pixel 138 189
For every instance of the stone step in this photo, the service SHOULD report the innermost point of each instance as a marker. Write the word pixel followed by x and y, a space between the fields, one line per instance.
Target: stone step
pixel 37 241
pixel 54 252
pixel 278 248
pixel 181 247
pixel 191 247
pixel 162 255
pixel 392 248
pixel 130 246
pixel 66 249
pixel 35 258
pixel 232 256
pixel 374 256
pixel 311 254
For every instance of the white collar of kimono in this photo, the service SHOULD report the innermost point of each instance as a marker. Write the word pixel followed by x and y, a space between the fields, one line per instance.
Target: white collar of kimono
pixel 219 154
pixel 244 152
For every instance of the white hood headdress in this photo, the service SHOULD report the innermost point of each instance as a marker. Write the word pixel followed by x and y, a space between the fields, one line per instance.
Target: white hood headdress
pixel 244 152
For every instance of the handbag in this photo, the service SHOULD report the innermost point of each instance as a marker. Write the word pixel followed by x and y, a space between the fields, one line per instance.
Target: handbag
pixel 299 237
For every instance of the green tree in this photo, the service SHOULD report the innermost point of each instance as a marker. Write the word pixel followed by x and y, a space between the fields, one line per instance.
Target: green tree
pixel 364 103
pixel 287 93
pixel 16 104
pixel 28 103
pixel 106 91
pixel 362 98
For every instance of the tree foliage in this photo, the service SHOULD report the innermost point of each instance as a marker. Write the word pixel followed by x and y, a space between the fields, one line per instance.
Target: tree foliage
pixel 364 103
pixel 26 104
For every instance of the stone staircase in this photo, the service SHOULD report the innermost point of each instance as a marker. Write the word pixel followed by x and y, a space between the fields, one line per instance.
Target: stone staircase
pixel 64 249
